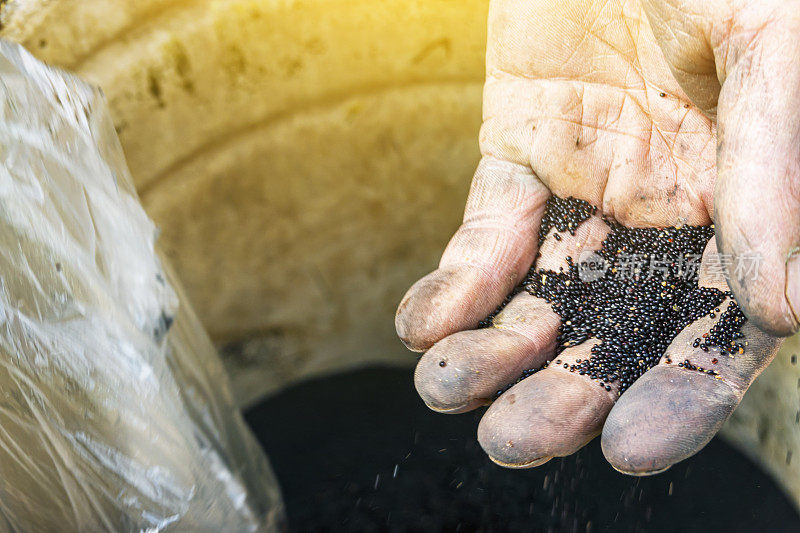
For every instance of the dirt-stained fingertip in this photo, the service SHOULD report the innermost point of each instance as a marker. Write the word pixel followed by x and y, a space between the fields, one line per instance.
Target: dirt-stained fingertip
pixel 553 413
pixel 466 369
pixel 667 416
pixel 445 301
pixel 774 314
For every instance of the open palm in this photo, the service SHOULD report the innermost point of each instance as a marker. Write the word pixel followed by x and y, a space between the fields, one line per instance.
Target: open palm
pixel 581 100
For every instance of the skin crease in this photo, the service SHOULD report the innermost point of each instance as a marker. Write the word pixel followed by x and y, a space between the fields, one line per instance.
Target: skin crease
pixel 660 113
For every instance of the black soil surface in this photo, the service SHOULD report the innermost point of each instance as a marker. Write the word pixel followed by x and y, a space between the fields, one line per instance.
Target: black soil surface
pixel 360 452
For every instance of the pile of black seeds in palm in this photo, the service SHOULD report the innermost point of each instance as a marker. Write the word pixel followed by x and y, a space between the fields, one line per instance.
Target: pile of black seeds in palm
pixel 563 214
pixel 638 293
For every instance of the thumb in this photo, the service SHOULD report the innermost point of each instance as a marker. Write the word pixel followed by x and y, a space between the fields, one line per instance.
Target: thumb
pixel 740 61
pixel 757 194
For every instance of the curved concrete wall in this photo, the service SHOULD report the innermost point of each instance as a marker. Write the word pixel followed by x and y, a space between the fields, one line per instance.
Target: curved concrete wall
pixel 305 160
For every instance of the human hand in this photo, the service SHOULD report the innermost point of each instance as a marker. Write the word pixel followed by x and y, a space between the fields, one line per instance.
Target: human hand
pixel 580 101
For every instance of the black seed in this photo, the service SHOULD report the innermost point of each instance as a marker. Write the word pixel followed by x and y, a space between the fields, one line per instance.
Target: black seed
pixel 635 312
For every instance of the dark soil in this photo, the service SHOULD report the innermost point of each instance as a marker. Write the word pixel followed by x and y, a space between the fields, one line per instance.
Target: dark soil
pixel 360 452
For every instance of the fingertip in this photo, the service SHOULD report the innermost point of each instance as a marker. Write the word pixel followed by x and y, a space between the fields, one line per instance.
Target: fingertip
pixel 405 331
pixel 769 294
pixel 767 320
pixel 465 370
pixel 408 324
pixel 668 415
pixel 444 385
pixel 760 246
pixel 443 302
pixel 775 314
pixel 550 414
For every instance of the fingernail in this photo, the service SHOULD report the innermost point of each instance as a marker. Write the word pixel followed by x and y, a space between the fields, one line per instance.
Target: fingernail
pixel 463 408
pixel 409 344
pixel 792 289
pixel 529 464
pixel 435 307
pixel 406 327
pixel 642 473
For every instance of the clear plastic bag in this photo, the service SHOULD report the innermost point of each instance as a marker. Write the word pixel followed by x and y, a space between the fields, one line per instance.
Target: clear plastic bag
pixel 115 411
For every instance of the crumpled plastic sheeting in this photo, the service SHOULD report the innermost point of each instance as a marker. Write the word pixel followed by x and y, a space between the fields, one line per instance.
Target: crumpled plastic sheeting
pixel 115 412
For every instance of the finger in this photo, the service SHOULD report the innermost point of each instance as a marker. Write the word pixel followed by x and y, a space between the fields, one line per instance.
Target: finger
pixel 466 369
pixel 752 50
pixel 488 255
pixel 552 413
pixel 757 197
pixel 672 412
pixel 676 408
